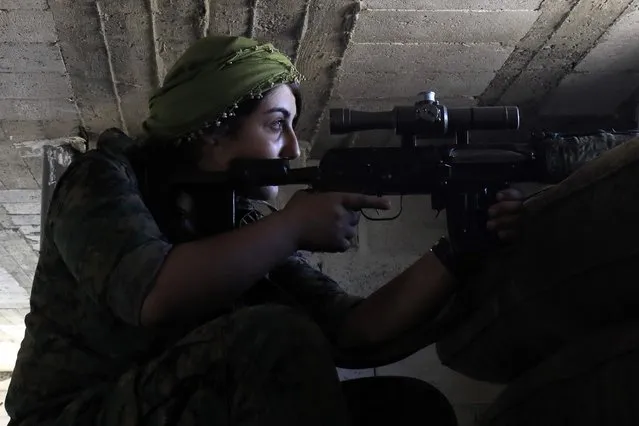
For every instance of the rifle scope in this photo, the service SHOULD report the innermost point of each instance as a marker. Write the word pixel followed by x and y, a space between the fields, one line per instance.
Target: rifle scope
pixel 426 117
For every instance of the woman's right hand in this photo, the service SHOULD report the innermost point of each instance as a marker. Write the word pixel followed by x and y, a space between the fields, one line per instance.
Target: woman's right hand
pixel 327 221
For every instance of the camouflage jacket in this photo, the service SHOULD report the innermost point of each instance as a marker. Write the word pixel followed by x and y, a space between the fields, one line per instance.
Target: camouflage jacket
pixel 101 250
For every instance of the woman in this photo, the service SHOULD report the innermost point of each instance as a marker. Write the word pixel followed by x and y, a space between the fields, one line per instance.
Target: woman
pixel 141 317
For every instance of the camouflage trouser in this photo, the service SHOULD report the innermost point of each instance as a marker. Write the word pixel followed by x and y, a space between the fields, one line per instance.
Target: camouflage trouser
pixel 260 366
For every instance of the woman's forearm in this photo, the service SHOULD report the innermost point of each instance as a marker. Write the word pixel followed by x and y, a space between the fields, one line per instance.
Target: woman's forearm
pixel 202 276
pixel 416 295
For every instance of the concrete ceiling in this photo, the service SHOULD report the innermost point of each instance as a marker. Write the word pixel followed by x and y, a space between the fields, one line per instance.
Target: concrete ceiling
pixel 67 65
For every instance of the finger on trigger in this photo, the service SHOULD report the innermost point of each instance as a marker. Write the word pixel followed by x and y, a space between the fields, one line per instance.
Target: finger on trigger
pixel 363 201
pixel 380 203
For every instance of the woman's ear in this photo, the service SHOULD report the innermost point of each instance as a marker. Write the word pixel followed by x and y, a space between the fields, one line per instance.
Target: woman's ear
pixel 213 156
pixel 210 154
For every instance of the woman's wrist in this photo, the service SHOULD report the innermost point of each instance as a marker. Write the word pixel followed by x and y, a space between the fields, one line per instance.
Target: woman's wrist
pixel 289 228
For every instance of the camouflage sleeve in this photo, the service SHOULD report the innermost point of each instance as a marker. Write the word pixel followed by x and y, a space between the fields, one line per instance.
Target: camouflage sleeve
pixel 319 295
pixel 105 234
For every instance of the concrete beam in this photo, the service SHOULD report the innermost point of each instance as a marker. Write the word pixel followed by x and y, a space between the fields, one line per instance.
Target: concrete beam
pixel 327 29
pixel 562 36
pixel 581 123
pixel 605 82
pixel 280 22
pixel 127 37
pixel 118 53
pixel 23 4
pixel 229 17
pixel 30 58
pixel 38 85
pixel 410 83
pixel 591 94
pixel 26 26
pixel 444 26
pixel 453 70
pixel 86 58
pixel 451 4
pixel 618 49
pixel 13 131
pixel 175 25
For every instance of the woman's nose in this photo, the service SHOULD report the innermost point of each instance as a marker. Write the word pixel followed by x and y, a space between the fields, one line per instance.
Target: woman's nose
pixel 291 148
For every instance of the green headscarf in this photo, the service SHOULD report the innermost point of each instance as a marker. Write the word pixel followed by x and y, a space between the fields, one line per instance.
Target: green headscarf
pixel 209 81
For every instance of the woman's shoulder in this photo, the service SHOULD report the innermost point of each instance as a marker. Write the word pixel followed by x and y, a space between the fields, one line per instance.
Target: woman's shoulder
pixel 111 159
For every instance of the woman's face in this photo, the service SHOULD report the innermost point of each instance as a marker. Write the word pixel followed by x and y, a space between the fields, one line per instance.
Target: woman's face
pixel 267 133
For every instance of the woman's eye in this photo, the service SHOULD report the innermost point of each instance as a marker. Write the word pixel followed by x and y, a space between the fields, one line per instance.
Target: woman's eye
pixel 277 125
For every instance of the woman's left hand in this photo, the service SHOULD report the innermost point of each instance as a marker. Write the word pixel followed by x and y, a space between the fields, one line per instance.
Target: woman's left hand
pixel 504 217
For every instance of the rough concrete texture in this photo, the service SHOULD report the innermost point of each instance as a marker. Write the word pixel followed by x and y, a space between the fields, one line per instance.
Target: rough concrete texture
pixel 23 4
pixel 86 60
pixel 387 104
pixel 323 39
pixel 451 4
pixel 618 49
pixel 443 26
pixel 230 17
pixel 440 57
pixel 14 172
pixel 406 84
pixel 42 85
pixel 569 43
pixel 37 109
pixel 175 24
pixel 133 70
pixel 551 14
pixel 26 26
pixel 281 29
pixel 590 94
pixel 605 76
pixel 453 70
pixel 25 130
pixel 454 49
pixel 30 58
